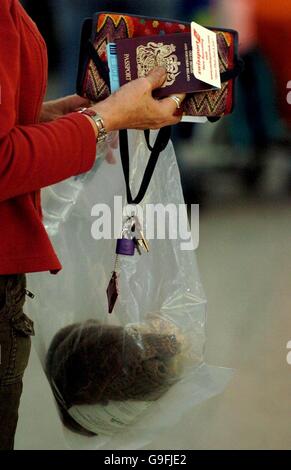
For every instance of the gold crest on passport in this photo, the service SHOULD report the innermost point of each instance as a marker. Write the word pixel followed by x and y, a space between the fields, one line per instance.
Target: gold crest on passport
pixel 155 54
pixel 138 56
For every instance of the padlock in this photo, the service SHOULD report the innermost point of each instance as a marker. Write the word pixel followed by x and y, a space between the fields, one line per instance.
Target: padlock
pixel 125 246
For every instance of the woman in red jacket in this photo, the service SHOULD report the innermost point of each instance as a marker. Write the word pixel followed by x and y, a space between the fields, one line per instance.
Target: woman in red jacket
pixel 42 144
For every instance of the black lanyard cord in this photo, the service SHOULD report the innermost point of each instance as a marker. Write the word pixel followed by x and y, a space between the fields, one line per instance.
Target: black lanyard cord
pixel 160 144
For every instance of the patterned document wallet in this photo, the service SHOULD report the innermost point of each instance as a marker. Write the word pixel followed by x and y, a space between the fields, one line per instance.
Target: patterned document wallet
pixel 98 34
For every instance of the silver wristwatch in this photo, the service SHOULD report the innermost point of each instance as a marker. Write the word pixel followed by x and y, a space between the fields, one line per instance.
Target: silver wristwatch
pixel 102 133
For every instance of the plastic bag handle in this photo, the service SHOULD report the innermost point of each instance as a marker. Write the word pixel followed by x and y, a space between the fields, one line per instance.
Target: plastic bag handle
pixel 160 144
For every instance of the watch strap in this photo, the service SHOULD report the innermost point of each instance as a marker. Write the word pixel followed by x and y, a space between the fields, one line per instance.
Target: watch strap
pixel 98 120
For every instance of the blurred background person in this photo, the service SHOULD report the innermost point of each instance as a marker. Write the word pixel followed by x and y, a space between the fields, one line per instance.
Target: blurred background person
pixel 273 23
pixel 256 123
pixel 44 16
pixel 68 18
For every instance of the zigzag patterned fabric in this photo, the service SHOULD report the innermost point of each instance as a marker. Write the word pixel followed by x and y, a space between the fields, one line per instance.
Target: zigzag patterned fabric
pixel 108 27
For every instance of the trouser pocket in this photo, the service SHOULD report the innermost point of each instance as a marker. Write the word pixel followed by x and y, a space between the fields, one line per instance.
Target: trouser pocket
pixel 15 345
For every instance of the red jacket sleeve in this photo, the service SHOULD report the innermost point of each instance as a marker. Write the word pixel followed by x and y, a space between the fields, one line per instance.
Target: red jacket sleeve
pixel 35 156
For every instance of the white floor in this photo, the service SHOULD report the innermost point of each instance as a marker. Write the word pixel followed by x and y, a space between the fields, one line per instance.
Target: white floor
pixel 245 262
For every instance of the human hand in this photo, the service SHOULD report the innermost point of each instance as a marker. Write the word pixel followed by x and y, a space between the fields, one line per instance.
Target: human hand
pixel 52 110
pixel 133 106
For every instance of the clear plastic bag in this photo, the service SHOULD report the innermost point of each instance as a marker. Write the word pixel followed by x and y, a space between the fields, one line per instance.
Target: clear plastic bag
pixel 141 368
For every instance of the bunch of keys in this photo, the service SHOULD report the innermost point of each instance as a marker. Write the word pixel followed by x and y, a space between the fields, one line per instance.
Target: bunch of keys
pixel 132 238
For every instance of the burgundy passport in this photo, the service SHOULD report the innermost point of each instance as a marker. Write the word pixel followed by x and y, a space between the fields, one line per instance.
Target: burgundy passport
pixel 138 56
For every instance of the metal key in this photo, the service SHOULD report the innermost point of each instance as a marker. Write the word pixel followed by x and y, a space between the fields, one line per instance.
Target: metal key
pixel 140 238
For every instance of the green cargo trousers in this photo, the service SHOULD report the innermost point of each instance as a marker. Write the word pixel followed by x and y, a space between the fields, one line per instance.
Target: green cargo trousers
pixel 15 343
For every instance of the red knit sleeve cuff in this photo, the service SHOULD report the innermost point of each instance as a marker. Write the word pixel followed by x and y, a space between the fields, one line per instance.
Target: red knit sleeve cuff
pixel 87 138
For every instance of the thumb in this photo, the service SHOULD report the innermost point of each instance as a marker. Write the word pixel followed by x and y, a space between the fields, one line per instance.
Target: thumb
pixel 157 77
